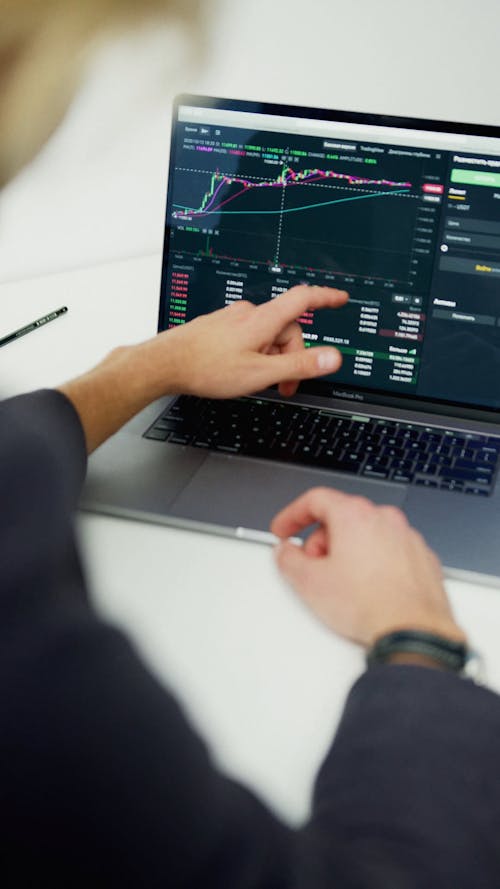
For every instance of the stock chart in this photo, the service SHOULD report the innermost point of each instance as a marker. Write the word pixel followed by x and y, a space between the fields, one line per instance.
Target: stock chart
pixel 355 214
pixel 251 213
pixel 317 219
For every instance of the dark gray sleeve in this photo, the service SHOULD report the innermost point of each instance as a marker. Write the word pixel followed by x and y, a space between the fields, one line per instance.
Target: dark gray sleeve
pixel 411 786
pixel 47 421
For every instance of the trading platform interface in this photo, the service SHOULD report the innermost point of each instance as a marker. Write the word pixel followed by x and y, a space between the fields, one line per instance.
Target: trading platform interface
pixel 407 221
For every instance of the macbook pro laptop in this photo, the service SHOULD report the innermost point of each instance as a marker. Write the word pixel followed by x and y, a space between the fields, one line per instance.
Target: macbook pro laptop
pixel 404 214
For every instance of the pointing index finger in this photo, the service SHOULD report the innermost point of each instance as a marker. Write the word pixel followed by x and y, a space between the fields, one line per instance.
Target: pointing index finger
pixel 293 303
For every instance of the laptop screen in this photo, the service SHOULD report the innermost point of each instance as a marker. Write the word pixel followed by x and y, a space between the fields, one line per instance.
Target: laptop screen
pixel 404 214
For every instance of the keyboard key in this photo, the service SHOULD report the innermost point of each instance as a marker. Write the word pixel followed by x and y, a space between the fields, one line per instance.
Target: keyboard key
pixel 478 467
pixel 441 450
pixel 303 452
pixel 157 434
pixel 402 465
pixel 394 452
pixel 465 475
pixel 181 439
pixel 387 428
pixel 351 460
pixel 380 462
pixel 463 453
pixel 336 464
pixel 171 422
pixel 402 477
pixel 426 469
pixel 440 460
pixel 372 472
pixel 488 453
pixel 452 484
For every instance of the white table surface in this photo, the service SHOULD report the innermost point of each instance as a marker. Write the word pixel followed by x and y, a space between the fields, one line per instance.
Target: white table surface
pixel 263 682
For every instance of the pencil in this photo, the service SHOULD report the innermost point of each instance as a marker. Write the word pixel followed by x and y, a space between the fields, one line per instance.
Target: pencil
pixel 33 326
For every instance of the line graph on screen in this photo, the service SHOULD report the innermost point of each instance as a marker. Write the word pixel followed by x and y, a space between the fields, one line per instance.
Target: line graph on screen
pixel 311 218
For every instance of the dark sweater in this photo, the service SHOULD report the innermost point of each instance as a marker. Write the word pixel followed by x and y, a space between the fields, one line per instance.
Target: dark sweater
pixel 103 783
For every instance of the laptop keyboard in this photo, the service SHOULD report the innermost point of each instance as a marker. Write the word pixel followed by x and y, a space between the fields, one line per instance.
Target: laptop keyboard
pixel 372 448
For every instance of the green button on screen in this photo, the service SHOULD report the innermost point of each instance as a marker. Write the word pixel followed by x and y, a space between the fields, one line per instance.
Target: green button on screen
pixel 475 177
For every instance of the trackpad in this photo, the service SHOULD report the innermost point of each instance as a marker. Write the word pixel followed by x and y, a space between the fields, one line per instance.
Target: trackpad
pixel 233 491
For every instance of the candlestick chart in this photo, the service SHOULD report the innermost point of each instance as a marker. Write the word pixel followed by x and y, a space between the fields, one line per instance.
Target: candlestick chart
pixel 331 220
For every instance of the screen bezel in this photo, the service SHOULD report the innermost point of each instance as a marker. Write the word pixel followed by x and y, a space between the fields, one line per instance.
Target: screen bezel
pixel 353 395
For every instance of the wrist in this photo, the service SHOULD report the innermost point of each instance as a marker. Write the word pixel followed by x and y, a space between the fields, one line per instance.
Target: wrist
pixel 406 658
pixel 124 383
pixel 141 373
pixel 156 367
pixel 445 627
pixel 422 648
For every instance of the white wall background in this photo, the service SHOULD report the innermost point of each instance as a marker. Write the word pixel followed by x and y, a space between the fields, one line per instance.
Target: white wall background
pixel 97 190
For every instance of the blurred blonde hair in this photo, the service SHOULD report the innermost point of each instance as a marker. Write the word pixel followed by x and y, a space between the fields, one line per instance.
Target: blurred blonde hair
pixel 42 48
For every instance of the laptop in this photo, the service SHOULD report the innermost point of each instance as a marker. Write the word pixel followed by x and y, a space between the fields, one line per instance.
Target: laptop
pixel 405 215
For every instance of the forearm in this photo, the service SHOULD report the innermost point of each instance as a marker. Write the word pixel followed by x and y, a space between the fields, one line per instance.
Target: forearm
pixel 109 395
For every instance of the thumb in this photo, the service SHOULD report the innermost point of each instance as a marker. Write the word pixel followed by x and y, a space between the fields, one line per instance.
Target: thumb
pixel 293 563
pixel 304 364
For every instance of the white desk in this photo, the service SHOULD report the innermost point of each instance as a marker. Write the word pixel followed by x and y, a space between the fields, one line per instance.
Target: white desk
pixel 262 680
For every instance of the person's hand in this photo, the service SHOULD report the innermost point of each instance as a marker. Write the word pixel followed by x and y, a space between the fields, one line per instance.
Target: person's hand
pixel 363 569
pixel 245 348
pixel 234 351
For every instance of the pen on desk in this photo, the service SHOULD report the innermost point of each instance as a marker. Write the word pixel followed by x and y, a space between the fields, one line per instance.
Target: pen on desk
pixel 33 326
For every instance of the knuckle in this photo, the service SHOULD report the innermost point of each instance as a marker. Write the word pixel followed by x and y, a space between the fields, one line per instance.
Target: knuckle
pixel 362 504
pixel 243 305
pixel 394 514
pixel 299 364
pixel 240 309
pixel 307 362
pixel 319 493
pixel 321 498
pixel 313 499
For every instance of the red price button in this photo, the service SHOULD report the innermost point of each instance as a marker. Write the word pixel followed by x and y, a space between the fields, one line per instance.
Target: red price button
pixel 430 188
